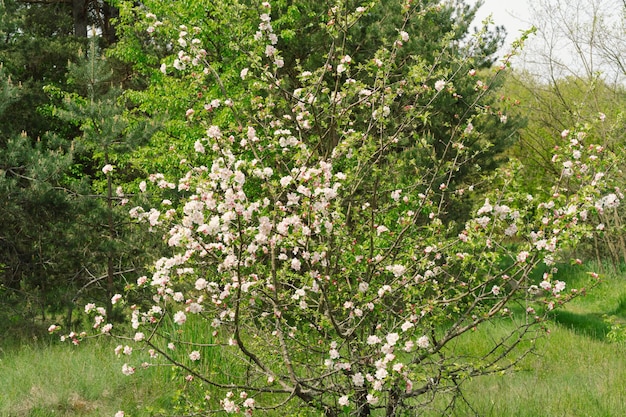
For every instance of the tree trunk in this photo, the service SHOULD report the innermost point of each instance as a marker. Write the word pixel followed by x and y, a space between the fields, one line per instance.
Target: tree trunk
pixel 108 30
pixel 80 16
pixel 392 404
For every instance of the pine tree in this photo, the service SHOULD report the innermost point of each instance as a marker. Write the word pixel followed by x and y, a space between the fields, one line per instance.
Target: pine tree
pixel 36 249
pixel 109 132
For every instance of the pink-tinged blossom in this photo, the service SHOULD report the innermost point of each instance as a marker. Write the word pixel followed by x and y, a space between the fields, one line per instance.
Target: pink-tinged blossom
pixel 522 256
pixel 285 181
pixel 270 50
pixel 116 298
pixel 440 85
pixel 408 346
pixel 214 132
pixel 249 403
pixel 107 169
pixel 397 270
pixel 511 230
pixel 423 342
pixel 392 338
pixel 558 287
pixel 381 229
pixel 373 339
pixel 53 328
pixel 382 290
pixel 609 201
pixel 358 380
pixel 127 369
pixel 119 414
pixel 229 406
pixel 201 284
pixel 501 211
pixel 404 36
pixel 198 147
pixel 194 356
pixel 180 318
pixel 139 337
pixel 381 373
pixel 343 401
pixel 395 195
pixel 195 308
pixel 495 290
pixel 296 264
pixel 483 221
pixel 153 217
pixel 98 320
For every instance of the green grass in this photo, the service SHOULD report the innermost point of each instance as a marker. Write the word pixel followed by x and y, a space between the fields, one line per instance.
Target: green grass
pixel 571 375
pixel 574 371
pixel 62 380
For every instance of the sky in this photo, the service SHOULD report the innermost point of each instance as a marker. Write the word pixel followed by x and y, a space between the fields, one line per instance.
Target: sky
pixel 514 15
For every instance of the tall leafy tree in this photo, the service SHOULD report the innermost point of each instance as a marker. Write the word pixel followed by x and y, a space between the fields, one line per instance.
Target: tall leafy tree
pixel 443 40
pixel 97 15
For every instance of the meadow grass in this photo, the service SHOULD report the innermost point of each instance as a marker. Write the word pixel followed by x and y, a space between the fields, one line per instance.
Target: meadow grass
pixel 573 371
pixel 52 379
pixel 568 374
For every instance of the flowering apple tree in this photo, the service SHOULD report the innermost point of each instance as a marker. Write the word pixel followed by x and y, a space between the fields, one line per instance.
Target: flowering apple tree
pixel 308 250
